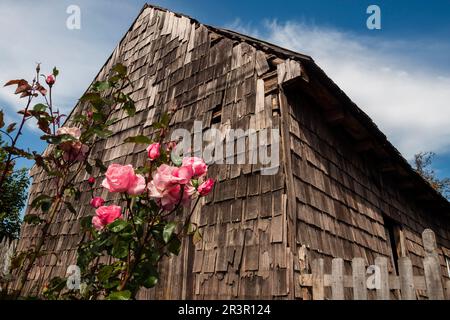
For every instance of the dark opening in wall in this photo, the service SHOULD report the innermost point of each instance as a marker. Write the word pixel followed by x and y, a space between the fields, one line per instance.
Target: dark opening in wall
pixel 395 242
pixel 216 115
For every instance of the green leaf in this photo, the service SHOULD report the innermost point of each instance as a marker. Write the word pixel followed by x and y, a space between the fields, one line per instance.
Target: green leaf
pixel 120 249
pixel 169 228
pixel 139 139
pixel 2 122
pixel 174 246
pixel 39 107
pixel 117 225
pixel 51 139
pixel 32 219
pixel 91 97
pixel 120 69
pixel 103 133
pixel 150 282
pixel 120 295
pixel 142 170
pixel 130 108
pixel 104 273
pixel 165 119
pixel 86 223
pixel 99 164
pixel 79 118
pixel 55 72
pixel 45 206
pixel 110 121
pixel 98 117
pixel 40 200
pixel 88 167
pixel 70 207
pixel 101 86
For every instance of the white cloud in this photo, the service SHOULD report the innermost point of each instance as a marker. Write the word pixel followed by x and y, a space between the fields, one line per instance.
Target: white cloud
pixel 408 99
pixel 36 32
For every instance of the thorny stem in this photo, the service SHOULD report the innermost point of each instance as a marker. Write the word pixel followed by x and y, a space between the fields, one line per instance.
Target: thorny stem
pixel 55 206
pixel 14 142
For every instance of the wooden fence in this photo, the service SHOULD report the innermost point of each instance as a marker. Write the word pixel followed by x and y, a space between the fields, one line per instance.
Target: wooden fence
pixel 405 284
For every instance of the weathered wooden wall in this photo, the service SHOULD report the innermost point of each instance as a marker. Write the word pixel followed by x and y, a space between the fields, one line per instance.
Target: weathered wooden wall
pixel 342 197
pixel 259 232
pixel 178 63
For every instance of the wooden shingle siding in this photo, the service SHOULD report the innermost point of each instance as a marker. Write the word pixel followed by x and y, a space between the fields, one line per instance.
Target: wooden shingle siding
pixel 259 232
pixel 340 203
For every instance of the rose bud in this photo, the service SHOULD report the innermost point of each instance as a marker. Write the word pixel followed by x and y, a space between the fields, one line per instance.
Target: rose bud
pixel 50 80
pixel 90 114
pixel 153 151
pixel 97 202
pixel 205 188
pixel 91 180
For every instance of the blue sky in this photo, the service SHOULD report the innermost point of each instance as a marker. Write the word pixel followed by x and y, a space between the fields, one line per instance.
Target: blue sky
pixel 399 75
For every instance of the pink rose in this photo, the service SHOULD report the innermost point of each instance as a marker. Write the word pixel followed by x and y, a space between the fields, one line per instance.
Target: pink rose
pixel 163 179
pixel 172 197
pixel 138 186
pixel 73 131
pixel 50 80
pixel 167 183
pixel 184 174
pixel 97 223
pixel 106 215
pixel 97 202
pixel 205 188
pixel 198 166
pixel 153 151
pixel 123 179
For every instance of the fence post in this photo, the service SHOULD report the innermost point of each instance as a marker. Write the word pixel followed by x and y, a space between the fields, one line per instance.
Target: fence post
pixel 337 279
pixel 359 279
pixel 406 279
pixel 317 279
pixel 383 290
pixel 431 266
pixel 447 289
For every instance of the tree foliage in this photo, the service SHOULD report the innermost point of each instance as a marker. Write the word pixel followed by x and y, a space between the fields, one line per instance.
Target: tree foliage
pixel 13 195
pixel 422 163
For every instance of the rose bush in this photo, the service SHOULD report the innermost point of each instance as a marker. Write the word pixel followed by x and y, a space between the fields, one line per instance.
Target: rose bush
pixel 68 152
pixel 147 221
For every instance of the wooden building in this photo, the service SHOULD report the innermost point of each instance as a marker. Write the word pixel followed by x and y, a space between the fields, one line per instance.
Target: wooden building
pixel 342 189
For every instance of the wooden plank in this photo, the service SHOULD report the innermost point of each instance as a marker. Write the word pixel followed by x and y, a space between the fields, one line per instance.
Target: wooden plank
pixel 359 279
pixel 432 269
pixel 447 289
pixel 407 287
pixel 261 63
pixel 433 281
pixel 337 280
pixel 290 188
pixel 383 288
pixel 318 279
